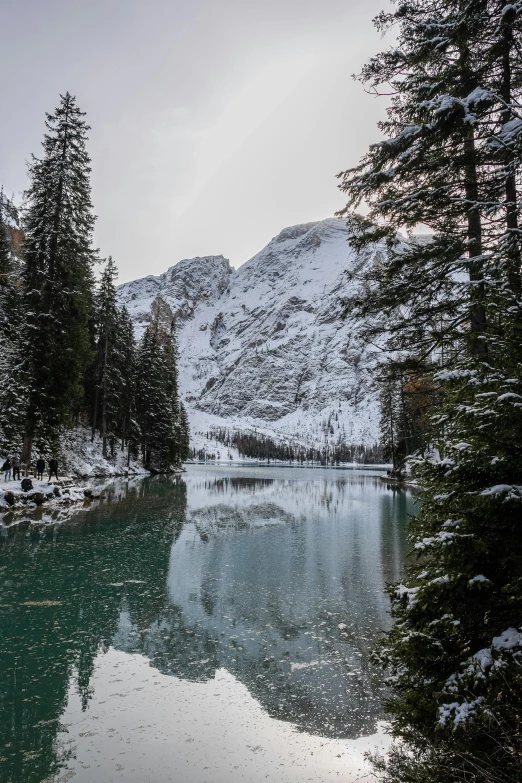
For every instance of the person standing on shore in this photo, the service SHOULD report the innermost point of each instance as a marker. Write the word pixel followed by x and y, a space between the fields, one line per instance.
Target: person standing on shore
pixel 16 467
pixel 40 467
pixel 6 467
pixel 53 468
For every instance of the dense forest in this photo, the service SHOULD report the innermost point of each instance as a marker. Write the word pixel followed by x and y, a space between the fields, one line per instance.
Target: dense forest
pixel 264 448
pixel 450 309
pixel 69 357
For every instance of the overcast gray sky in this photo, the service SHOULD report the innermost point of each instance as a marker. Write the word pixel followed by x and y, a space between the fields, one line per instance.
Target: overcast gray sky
pixel 215 123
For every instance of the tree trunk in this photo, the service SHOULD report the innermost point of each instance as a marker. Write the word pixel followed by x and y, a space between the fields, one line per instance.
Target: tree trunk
pixel 104 399
pixel 476 272
pixel 95 411
pixel 471 190
pixel 514 260
pixel 392 438
pixel 27 450
pixel 405 421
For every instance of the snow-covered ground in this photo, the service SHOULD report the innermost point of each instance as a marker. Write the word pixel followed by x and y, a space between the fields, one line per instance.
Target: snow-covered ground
pixel 54 493
pixel 83 457
pixel 263 348
pixel 80 458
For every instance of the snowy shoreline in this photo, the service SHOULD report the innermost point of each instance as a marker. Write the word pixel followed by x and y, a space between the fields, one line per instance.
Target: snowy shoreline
pixel 64 492
pixel 46 504
pixel 54 501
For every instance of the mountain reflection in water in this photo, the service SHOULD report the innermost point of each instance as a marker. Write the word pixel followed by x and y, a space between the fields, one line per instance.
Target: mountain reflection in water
pixel 275 575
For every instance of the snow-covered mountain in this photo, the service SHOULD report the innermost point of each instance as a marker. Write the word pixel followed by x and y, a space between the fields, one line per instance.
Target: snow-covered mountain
pixel 263 347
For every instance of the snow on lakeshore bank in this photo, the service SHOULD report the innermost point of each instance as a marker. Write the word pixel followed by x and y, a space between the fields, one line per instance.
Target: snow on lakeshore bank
pixel 82 457
pixel 44 501
pixel 50 504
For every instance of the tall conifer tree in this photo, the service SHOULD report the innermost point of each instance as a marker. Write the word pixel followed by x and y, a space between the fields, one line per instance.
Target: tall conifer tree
pixel 452 161
pixel 390 419
pixel 57 276
pixel 184 435
pixel 5 252
pixel 127 426
pixel 107 385
pixel 443 166
pixel 113 396
pixel 13 370
pixel 5 274
pixel 162 423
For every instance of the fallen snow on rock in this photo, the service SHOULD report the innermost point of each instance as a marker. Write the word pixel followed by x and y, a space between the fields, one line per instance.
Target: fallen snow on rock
pixel 56 493
pixel 15 494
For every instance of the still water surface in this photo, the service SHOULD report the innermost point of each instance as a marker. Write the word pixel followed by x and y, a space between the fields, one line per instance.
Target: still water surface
pixel 214 627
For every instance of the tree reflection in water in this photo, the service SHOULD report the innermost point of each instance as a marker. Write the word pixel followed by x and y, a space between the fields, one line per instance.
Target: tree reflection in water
pixel 276 576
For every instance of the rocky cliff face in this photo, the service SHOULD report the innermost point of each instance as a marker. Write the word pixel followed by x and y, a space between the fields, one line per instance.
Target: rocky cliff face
pixel 263 347
pixel 190 283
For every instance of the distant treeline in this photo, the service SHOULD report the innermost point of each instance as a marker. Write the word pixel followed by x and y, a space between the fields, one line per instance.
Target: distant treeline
pixel 264 448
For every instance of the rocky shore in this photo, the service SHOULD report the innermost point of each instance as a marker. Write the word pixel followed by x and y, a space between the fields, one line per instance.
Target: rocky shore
pixel 49 504
pixel 62 492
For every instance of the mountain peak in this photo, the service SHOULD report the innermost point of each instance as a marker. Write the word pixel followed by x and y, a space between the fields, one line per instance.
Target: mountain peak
pixel 263 347
pixel 293 232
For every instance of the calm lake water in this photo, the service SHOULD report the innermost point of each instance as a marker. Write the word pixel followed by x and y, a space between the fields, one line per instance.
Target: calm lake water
pixel 215 627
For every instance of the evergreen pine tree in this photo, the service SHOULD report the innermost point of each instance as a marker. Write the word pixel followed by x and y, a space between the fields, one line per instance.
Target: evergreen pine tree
pixel 452 161
pixel 5 275
pixel 184 435
pixel 113 371
pixel 146 396
pixel 126 347
pixel 444 165
pixel 107 388
pixel 390 419
pixel 57 276
pixel 408 395
pixel 455 650
pixel 159 414
pixel 5 253
pixel 13 370
pixel 14 391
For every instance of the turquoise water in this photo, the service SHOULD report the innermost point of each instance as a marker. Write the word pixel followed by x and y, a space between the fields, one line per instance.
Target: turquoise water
pixel 214 627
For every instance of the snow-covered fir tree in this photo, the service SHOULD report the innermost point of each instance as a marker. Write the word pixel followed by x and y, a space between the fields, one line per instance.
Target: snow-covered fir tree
pixel 113 362
pixel 444 158
pixel 5 276
pixel 162 423
pixel 452 161
pixel 183 434
pixel 126 346
pixel 408 393
pixel 57 276
pixel 13 370
pixel 5 253
pixel 390 418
